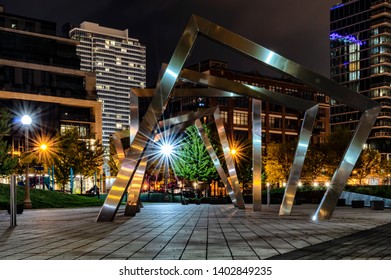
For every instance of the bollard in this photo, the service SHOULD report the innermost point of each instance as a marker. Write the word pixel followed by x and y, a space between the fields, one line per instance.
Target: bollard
pixel 268 194
pixel 13 201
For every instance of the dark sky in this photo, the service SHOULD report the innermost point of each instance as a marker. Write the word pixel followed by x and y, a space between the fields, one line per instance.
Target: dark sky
pixel 297 29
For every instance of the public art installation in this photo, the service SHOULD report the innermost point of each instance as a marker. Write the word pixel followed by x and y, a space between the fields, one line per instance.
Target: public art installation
pixel 133 163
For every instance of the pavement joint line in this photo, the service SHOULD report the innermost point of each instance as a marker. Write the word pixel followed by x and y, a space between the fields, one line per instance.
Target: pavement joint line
pixel 197 232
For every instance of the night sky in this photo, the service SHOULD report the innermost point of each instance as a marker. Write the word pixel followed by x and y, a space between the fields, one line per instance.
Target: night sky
pixel 297 29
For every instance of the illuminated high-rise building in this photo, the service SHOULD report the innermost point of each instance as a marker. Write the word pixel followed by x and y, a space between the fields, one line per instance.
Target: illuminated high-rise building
pixel 360 56
pixel 119 63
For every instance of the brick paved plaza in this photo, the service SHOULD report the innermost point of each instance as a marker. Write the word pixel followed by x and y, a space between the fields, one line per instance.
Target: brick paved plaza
pixel 197 232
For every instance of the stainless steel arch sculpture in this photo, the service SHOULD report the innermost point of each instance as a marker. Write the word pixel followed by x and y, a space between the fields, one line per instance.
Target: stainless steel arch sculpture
pixel 231 183
pixel 199 26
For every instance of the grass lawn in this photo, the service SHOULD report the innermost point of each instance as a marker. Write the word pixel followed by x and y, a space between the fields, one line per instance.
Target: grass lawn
pixel 48 199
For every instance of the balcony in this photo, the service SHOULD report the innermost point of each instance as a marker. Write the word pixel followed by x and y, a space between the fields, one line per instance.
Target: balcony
pixel 381 22
pixel 381 3
pixel 383 134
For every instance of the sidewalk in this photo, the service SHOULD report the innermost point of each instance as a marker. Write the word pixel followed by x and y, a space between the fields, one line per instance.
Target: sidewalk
pixel 192 232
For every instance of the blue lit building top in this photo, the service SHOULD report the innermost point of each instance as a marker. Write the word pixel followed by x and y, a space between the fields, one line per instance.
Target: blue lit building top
pixel 337 6
pixel 349 39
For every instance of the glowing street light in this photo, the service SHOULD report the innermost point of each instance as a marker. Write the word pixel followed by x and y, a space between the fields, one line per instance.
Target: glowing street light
pixel 167 149
pixel 233 152
pixel 26 121
pixel 43 147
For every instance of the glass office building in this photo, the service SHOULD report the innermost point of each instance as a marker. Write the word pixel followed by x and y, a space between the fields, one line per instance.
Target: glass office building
pixel 360 56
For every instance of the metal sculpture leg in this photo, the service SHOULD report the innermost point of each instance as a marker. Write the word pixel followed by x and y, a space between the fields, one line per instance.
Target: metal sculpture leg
pixel 148 124
pixel 257 154
pixel 341 175
pixel 216 162
pixel 133 201
pixel 301 150
pixel 228 159
pixel 118 140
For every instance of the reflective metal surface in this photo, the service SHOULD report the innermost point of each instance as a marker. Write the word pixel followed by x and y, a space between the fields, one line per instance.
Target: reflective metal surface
pixel 134 121
pixel 179 93
pixel 289 101
pixel 133 200
pixel 148 124
pixel 231 183
pixel 368 107
pixel 216 162
pixel 298 161
pixel 228 159
pixel 341 175
pixel 199 26
pixel 247 90
pixel 257 154
pixel 121 142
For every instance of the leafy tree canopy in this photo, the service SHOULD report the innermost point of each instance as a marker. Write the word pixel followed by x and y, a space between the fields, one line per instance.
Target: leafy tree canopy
pixel 7 162
pixel 80 154
pixel 194 162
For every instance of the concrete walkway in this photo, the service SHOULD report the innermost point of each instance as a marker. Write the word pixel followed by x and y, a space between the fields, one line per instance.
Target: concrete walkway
pixel 194 232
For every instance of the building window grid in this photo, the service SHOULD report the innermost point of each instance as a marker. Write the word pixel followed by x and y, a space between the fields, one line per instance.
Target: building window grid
pixel 240 118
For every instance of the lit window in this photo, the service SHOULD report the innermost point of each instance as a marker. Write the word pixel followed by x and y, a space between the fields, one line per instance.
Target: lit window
pixel 240 118
pixel 224 116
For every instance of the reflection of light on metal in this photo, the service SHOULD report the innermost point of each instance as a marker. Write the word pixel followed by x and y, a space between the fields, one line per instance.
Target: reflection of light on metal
pixel 370 109
pixel 172 73
pixel 269 57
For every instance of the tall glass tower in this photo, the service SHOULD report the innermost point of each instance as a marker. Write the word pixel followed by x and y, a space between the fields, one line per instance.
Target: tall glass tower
pixel 360 58
pixel 119 63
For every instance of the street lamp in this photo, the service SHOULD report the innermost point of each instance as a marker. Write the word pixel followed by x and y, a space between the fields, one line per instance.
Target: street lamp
pixel 43 147
pixel 166 150
pixel 26 121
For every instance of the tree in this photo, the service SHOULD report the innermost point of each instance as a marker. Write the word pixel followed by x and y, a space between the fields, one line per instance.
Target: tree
pixel 368 162
pixel 194 162
pixel 74 152
pixel 316 162
pixel 385 166
pixel 278 161
pixel 7 162
pixel 336 145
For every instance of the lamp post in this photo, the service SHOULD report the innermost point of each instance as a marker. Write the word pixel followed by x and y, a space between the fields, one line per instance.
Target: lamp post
pixel 26 121
pixel 166 150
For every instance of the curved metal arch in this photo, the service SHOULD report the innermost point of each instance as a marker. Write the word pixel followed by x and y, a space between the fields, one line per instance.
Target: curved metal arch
pixel 163 92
